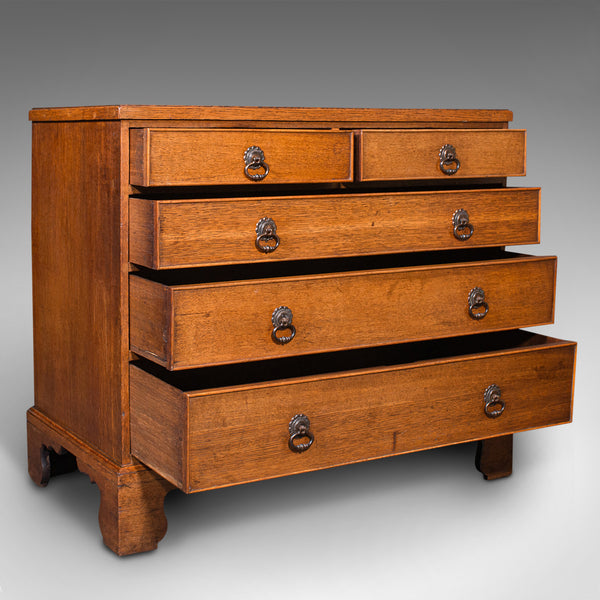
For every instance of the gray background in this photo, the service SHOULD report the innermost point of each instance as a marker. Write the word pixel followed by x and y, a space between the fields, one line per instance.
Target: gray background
pixel 417 526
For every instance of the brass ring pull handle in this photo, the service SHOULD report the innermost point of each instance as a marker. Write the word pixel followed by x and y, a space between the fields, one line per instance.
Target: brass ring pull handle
pixel 267 239
pixel 463 230
pixel 491 398
pixel 282 320
pixel 254 159
pixel 299 427
pixel 447 158
pixel 476 303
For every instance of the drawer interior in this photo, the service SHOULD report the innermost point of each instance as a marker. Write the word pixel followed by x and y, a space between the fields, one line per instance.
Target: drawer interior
pixel 294 268
pixel 212 377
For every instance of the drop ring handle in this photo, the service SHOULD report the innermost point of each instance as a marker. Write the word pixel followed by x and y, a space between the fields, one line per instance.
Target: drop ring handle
pixel 476 301
pixel 282 321
pixel 447 158
pixel 492 398
pixel 254 159
pixel 267 239
pixel 463 230
pixel 299 427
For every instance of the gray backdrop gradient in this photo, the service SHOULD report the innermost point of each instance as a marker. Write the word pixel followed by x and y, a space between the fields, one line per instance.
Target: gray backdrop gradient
pixel 417 526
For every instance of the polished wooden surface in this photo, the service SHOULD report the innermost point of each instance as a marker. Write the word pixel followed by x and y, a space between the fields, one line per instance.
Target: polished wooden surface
pixel 386 155
pixel 355 264
pixel 162 157
pixel 186 233
pixel 131 514
pixel 262 113
pixel 77 260
pixel 494 457
pixel 183 326
pixel 239 434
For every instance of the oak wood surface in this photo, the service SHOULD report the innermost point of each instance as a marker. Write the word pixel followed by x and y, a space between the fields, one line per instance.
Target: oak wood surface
pixel 222 322
pixel 158 425
pixel 327 124
pixel 87 162
pixel 240 433
pixel 414 154
pixel 216 156
pixel 185 233
pixel 79 284
pixel 131 514
pixel 494 457
pixel 261 113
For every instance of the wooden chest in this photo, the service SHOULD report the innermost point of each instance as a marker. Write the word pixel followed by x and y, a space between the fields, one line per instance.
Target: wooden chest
pixel 229 294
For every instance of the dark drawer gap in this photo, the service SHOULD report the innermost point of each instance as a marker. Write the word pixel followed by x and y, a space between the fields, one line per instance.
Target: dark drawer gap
pixel 191 192
pixel 345 360
pixel 316 267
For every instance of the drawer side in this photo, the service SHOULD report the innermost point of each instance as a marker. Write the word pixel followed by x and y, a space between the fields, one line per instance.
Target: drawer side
pixel 144 232
pixel 150 329
pixel 158 425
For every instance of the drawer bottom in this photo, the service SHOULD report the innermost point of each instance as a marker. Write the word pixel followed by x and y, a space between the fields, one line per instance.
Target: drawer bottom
pixel 222 426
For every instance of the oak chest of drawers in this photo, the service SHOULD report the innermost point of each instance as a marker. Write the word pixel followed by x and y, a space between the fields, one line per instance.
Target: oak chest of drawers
pixel 228 294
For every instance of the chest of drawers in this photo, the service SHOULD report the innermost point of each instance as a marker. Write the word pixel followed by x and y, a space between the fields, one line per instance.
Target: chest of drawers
pixel 229 294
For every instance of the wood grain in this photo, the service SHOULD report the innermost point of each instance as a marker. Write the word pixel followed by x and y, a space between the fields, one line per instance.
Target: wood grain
pixel 261 113
pixel 159 410
pixel 222 322
pixel 325 124
pixel 387 155
pixel 353 265
pixel 149 306
pixel 190 233
pixel 131 513
pixel 494 457
pixel 216 156
pixel 240 434
pixel 78 281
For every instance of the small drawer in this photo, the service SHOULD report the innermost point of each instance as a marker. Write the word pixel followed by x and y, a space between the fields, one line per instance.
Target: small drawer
pixel 164 234
pixel 164 157
pixel 181 325
pixel 221 426
pixel 441 154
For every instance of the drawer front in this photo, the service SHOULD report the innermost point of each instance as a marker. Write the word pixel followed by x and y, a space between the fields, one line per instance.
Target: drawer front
pixel 163 157
pixel 187 233
pixel 194 325
pixel 415 154
pixel 205 439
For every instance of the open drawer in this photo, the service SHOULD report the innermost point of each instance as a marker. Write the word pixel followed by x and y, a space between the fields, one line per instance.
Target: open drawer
pixel 219 426
pixel 217 315
pixel 170 233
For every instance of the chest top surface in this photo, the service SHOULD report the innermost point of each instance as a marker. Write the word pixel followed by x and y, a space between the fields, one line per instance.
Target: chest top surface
pixel 270 114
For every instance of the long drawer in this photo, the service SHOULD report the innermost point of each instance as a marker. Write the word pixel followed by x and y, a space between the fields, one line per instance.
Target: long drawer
pixel 170 156
pixel 441 154
pixel 241 429
pixel 189 325
pixel 187 233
